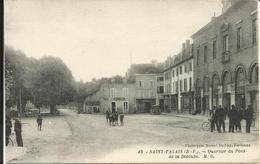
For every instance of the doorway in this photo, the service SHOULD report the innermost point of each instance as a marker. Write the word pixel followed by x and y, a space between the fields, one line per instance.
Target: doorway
pixel 254 102
pixel 113 107
pixel 147 106
pixel 226 100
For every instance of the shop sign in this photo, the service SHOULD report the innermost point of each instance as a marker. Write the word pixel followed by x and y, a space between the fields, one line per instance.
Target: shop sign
pixel 252 88
pixel 242 83
pixel 229 88
pixel 240 90
pixel 119 98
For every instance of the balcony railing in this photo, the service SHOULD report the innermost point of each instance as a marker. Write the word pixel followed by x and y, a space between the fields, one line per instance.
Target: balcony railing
pixel 225 57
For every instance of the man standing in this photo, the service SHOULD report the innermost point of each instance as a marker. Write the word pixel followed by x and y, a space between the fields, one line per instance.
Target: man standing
pixel 232 114
pixel 213 120
pixel 8 129
pixel 238 119
pixel 107 116
pixel 39 122
pixel 116 118
pixel 221 119
pixel 122 119
pixel 248 117
pixel 18 132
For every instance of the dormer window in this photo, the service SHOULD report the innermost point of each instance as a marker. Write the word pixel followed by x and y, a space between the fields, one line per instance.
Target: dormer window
pixel 226 43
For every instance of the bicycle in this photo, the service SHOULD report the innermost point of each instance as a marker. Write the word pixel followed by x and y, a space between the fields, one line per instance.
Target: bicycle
pixel 12 139
pixel 206 125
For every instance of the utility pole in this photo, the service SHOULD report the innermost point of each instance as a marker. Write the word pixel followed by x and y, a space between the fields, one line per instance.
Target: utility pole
pixel 20 103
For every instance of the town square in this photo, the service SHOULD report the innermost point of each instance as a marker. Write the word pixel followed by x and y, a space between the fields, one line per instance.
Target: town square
pixel 131 81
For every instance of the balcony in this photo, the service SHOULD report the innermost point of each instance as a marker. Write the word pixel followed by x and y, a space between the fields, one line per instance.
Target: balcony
pixel 225 57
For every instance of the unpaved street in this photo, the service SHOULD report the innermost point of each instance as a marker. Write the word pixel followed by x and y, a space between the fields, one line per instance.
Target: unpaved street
pixel 88 138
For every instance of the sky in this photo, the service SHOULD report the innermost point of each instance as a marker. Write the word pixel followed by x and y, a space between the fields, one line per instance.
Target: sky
pixel 101 38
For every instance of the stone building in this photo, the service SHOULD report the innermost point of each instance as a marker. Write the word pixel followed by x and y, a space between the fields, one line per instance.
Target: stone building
pixel 145 92
pixel 178 83
pixel 226 58
pixel 117 95
pixel 160 90
pixel 148 79
pixel 92 103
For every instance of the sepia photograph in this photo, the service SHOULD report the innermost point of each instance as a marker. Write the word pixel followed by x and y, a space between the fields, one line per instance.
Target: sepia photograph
pixel 131 81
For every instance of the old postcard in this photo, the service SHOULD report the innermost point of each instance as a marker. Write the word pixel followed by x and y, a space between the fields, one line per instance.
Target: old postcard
pixel 131 81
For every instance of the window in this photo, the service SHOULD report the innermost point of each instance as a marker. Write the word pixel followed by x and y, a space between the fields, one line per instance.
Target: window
pixel 190 83
pixel 112 92
pixel 151 83
pixel 173 73
pixel 167 75
pixel 185 84
pixel 214 47
pixel 140 84
pixel 125 92
pixel 239 38
pixel 198 56
pixel 173 86
pixel 180 70
pixel 125 106
pixel 181 85
pixel 225 43
pixel 160 89
pixel 185 68
pixel 190 64
pixel 205 54
pixel 177 72
pixel 160 78
pixel 254 30
pixel 176 86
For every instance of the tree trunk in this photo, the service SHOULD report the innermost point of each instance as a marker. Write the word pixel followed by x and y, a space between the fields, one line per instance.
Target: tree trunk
pixel 52 108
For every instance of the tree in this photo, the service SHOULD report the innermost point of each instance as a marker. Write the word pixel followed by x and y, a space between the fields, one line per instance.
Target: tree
pixel 52 83
pixel 17 73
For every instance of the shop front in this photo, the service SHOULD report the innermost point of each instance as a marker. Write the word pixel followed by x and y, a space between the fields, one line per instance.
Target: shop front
pixel 240 84
pixel 228 89
pixel 187 102
pixel 215 90
pixel 144 105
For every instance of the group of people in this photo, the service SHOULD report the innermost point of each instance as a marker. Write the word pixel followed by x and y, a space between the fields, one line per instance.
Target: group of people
pixel 112 118
pixel 17 130
pixel 235 114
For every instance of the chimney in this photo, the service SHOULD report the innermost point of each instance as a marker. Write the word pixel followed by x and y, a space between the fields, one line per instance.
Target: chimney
pixel 187 44
pixel 183 48
pixel 226 4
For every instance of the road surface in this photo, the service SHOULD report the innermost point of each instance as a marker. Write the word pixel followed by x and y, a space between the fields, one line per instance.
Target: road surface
pixel 76 137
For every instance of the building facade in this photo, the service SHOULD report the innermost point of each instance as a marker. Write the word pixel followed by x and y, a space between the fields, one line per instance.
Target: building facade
pixel 226 58
pixel 117 96
pixel 160 90
pixel 92 103
pixel 145 92
pixel 179 92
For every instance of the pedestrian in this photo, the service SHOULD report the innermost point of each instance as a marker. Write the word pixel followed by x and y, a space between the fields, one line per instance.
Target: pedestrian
pixel 221 119
pixel 239 117
pixel 116 118
pixel 8 129
pixel 110 117
pixel 232 118
pixel 122 119
pixel 248 117
pixel 18 132
pixel 211 111
pixel 39 122
pixel 107 116
pixel 113 119
pixel 213 120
